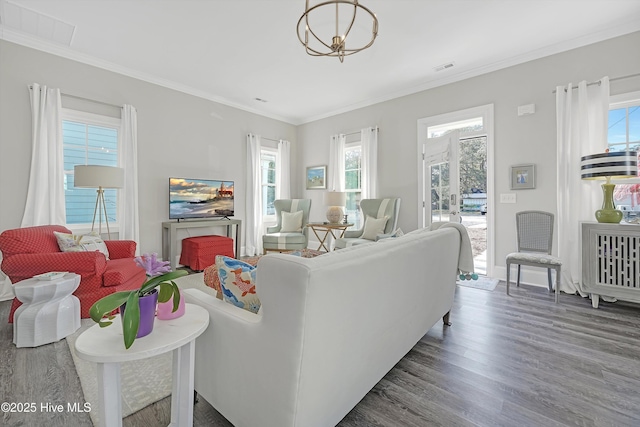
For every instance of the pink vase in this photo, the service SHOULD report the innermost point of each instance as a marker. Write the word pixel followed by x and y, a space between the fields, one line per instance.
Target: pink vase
pixel 164 309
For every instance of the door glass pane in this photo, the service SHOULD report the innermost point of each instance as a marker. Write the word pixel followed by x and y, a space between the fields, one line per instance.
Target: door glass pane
pixel 439 191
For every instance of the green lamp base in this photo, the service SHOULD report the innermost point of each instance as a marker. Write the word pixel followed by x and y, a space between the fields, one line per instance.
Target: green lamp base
pixel 612 216
pixel 608 213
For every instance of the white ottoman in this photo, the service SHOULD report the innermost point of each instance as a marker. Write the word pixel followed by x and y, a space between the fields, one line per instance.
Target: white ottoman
pixel 48 312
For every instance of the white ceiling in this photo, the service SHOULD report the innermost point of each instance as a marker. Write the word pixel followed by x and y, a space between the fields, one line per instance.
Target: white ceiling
pixel 233 51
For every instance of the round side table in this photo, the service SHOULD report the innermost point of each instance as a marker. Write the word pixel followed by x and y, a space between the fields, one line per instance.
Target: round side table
pixel 48 312
pixel 106 347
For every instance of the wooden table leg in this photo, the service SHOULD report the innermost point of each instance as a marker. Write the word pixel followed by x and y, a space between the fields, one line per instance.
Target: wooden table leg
pixel 109 396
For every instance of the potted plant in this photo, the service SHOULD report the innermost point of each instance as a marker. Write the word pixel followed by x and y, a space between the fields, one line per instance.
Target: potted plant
pixel 160 284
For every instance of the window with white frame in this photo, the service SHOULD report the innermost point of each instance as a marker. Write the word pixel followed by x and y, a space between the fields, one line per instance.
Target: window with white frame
pixel 88 139
pixel 268 159
pixel 353 180
pixel 624 135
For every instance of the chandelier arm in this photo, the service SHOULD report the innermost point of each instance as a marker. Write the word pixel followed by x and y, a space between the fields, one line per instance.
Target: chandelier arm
pixel 353 19
pixel 309 30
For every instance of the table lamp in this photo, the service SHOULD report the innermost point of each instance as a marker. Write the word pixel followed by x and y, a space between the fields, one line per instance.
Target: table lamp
pixel 607 166
pixel 100 177
pixel 335 200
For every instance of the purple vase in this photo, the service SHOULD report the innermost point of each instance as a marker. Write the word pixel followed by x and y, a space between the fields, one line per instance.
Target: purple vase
pixel 147 305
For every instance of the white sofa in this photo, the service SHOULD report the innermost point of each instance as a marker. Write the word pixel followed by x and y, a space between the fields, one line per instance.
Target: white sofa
pixel 329 328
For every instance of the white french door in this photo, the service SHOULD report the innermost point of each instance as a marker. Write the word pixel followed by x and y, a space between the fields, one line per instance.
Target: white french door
pixel 441 179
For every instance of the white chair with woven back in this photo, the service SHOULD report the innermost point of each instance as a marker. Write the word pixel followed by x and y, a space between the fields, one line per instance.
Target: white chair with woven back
pixel 534 240
pixel 380 220
pixel 290 233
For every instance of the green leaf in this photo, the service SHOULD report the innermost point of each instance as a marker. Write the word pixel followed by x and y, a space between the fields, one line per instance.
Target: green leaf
pixel 131 319
pixel 176 297
pixel 104 306
pixel 155 281
pixel 165 293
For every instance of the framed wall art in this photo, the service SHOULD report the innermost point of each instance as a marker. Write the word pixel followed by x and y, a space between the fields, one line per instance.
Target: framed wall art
pixel 523 177
pixel 317 178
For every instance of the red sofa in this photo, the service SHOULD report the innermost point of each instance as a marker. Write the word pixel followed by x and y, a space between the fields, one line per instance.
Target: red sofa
pixel 34 250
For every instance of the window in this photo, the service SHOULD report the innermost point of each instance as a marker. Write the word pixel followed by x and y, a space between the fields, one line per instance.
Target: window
pixel 353 180
pixel 268 159
pixel 624 126
pixel 624 135
pixel 88 139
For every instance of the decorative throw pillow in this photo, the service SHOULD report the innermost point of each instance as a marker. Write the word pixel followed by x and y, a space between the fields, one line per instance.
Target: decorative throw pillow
pixel 291 222
pixel 373 227
pixel 237 280
pixel 89 242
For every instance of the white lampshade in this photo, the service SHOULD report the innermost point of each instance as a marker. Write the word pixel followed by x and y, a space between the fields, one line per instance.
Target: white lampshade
pixel 614 165
pixel 335 198
pixel 94 176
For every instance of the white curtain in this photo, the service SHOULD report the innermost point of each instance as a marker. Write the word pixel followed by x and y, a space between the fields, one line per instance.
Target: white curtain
pixel 283 170
pixel 253 240
pixel 45 194
pixel 128 215
pixel 369 182
pixel 581 119
pixel 336 162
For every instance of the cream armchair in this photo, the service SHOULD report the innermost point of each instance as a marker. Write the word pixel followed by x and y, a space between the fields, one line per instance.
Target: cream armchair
pixel 290 233
pixel 376 209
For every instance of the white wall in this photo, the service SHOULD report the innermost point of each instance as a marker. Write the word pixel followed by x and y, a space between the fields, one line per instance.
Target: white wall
pixel 526 139
pixel 181 135
pixel 178 134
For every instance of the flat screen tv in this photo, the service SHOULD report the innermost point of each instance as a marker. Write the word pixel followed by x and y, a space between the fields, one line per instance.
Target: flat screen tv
pixel 200 198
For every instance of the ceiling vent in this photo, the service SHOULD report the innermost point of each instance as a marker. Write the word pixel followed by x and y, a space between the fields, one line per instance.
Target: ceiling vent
pixel 36 24
pixel 444 66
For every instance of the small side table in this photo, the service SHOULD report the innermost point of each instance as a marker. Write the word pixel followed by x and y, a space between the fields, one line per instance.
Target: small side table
pixel 326 229
pixel 48 312
pixel 106 347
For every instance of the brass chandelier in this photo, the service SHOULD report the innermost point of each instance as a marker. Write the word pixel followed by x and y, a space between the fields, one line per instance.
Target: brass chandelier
pixel 315 46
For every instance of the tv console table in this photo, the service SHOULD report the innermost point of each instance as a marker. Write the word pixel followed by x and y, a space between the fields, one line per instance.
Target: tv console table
pixel 170 235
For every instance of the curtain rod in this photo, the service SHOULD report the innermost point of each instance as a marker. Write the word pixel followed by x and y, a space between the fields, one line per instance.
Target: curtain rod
pixel 598 82
pixel 374 129
pixel 68 95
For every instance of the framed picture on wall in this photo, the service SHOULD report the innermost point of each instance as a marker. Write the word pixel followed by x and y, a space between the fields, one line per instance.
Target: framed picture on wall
pixel 523 177
pixel 317 178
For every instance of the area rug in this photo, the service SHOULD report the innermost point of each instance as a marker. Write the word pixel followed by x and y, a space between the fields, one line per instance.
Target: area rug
pixel 143 382
pixel 483 282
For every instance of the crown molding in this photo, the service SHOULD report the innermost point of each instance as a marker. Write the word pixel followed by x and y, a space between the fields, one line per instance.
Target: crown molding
pixel 68 53
pixel 10 35
pixel 621 30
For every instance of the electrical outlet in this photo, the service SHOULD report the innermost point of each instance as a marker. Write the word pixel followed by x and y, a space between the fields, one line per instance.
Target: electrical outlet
pixel 507 198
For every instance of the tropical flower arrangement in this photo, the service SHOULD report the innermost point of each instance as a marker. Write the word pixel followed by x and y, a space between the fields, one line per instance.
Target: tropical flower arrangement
pixel 159 279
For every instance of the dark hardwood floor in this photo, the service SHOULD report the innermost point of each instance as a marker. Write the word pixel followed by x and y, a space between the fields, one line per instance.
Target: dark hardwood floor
pixel 506 361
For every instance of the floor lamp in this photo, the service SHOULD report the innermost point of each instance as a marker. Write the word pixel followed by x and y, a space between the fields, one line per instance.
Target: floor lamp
pixel 100 177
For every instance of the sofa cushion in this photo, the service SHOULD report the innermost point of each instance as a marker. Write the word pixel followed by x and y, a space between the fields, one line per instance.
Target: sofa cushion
pixel 81 242
pixel 373 227
pixel 238 283
pixel 275 238
pixel 120 271
pixel 291 222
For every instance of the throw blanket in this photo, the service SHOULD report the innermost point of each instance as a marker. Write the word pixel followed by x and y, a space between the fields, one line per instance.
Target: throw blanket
pixel 465 258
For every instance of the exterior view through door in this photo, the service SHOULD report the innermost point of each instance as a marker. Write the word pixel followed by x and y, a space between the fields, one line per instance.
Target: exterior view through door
pixel 454 178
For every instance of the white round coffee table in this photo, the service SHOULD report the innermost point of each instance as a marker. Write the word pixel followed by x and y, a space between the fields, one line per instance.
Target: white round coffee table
pixel 48 312
pixel 106 347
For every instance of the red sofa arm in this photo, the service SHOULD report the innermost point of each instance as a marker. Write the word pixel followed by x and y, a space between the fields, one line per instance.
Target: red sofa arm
pixel 24 266
pixel 121 248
